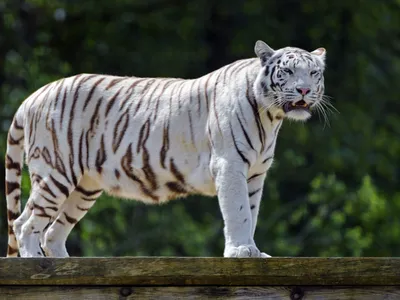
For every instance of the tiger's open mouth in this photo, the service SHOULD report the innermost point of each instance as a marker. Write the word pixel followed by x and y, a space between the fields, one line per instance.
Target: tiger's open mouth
pixel 299 105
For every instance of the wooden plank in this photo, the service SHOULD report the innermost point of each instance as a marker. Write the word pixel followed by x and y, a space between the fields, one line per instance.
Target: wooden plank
pixel 205 292
pixel 141 271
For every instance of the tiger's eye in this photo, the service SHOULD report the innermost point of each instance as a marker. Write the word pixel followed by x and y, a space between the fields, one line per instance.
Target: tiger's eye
pixel 287 70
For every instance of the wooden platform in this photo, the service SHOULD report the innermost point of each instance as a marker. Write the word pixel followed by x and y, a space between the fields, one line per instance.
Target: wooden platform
pixel 200 278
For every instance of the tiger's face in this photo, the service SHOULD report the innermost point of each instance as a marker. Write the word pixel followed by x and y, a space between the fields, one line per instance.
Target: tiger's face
pixel 291 79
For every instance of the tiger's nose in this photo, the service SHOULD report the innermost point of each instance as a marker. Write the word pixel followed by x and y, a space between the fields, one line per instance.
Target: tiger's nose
pixel 303 91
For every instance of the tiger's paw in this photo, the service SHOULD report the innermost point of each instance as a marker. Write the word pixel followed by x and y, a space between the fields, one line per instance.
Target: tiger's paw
pixel 243 251
pixel 29 247
pixel 28 242
pixel 55 249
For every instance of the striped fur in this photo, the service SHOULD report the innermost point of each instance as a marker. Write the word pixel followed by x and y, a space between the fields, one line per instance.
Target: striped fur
pixel 153 140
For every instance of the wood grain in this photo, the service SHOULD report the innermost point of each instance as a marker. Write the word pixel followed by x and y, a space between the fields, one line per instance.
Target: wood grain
pixel 208 292
pixel 191 271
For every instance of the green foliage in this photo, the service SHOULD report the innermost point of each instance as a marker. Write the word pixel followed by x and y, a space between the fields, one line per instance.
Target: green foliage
pixel 333 189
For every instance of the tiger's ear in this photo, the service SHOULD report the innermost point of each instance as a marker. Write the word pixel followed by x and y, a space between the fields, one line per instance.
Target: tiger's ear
pixel 320 53
pixel 263 51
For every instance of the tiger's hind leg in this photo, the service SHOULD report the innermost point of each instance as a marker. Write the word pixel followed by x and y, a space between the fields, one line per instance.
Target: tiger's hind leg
pixel 47 195
pixel 70 213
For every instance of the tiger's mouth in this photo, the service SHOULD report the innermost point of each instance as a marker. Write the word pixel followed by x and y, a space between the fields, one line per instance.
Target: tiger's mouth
pixel 299 105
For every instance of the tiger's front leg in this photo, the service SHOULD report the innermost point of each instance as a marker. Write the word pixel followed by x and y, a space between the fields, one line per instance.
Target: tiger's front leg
pixel 233 198
pixel 255 185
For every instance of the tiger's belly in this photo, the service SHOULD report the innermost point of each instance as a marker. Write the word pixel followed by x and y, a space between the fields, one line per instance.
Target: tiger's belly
pixel 154 183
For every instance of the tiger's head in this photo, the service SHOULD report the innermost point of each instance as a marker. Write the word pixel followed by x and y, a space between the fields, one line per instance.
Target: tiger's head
pixel 291 80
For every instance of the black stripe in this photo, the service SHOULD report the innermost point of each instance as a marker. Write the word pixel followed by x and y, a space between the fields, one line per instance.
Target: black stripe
pixel 30 129
pixel 86 192
pixel 11 250
pixel 130 90
pixel 254 106
pixel 63 189
pixel 245 132
pixel 80 152
pixel 119 133
pixel 12 141
pixel 237 148
pixel 70 219
pixel 115 82
pixel 101 156
pixel 16 125
pixel 11 216
pixel 150 99
pixel 48 200
pixel 198 98
pixel 89 96
pixel 143 93
pixel 45 187
pixel 12 165
pixel 71 166
pixel 70 131
pixel 112 100
pixel 214 102
pixel 87 149
pixel 206 91
pixel 242 113
pixel 176 187
pixel 254 176
pixel 164 90
pixel 210 136
pixel 88 199
pixel 272 85
pixel 11 187
pixel 63 107
pixel 254 192
pixel 165 145
pixel 267 159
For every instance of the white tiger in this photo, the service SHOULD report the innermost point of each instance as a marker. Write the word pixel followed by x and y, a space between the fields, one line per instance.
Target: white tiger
pixel 155 139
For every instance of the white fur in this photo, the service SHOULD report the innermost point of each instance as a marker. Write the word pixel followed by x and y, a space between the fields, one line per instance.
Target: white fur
pixel 200 114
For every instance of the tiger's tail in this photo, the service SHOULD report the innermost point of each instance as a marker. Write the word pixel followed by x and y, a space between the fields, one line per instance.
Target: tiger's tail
pixel 14 163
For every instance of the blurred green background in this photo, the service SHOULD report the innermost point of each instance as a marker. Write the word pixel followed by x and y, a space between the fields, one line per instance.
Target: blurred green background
pixel 333 190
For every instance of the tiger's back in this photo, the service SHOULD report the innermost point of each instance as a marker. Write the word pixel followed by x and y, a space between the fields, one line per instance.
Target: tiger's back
pixel 117 130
